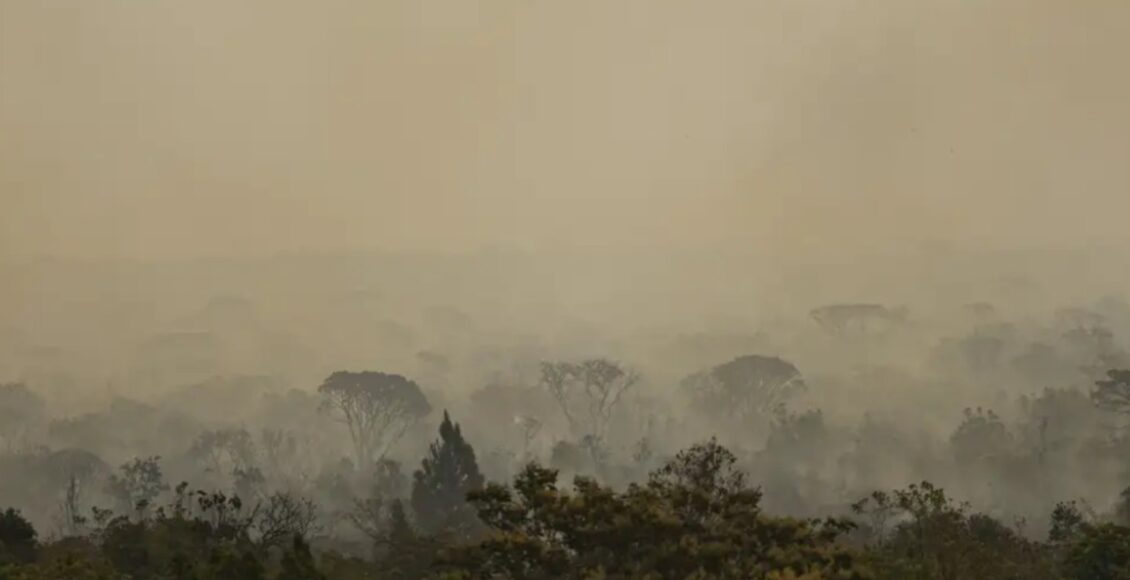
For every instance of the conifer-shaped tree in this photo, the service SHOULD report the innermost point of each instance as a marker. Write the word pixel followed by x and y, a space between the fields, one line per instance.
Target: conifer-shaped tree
pixel 440 486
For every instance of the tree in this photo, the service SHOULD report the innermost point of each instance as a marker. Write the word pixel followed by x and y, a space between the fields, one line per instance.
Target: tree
pixel 700 481
pixel 980 311
pixel 936 538
pixel 20 409
pixel 298 563
pixel 1113 393
pixel 530 427
pixel 376 407
pixel 1089 550
pixel 400 551
pixel 405 553
pixel 982 436
pixel 285 517
pixel 1102 552
pixel 748 386
pixel 695 518
pixel 587 392
pixel 287 457
pixel 1122 509
pixel 18 538
pixel 979 352
pixel 138 483
pixel 198 535
pixel 440 486
pixel 842 319
pixel 223 451
pixel 75 470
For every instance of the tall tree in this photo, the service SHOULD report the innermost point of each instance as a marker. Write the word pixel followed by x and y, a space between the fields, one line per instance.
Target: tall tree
pixel 747 386
pixel 587 392
pixel 376 407
pixel 138 483
pixel 440 487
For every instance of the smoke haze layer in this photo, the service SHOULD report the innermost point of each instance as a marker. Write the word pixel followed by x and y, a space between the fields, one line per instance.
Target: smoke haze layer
pixel 176 130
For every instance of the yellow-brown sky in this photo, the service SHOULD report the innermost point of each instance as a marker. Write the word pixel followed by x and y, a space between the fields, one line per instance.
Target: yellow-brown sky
pixel 165 128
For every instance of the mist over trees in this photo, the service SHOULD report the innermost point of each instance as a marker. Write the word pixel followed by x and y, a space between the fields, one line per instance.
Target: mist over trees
pixel 377 408
pixel 746 388
pixel 573 289
pixel 402 439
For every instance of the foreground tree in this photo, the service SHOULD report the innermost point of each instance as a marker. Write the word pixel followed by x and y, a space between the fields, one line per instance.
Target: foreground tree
pixel 440 486
pixel 284 518
pixel 1101 552
pixel 587 392
pixel 695 518
pixel 1089 550
pixel 919 532
pixel 377 408
pixel 18 538
pixel 298 563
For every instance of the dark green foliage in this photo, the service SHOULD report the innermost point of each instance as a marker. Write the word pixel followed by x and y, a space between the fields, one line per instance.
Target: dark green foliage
pixel 400 550
pixel 568 456
pixel 69 566
pixel 1099 552
pixel 282 518
pixel 18 538
pixel 1067 522
pixel 441 485
pixel 695 518
pixel 1089 550
pixel 199 535
pixel 231 563
pixel 298 563
pixel 407 554
pixel 337 566
pixel 919 532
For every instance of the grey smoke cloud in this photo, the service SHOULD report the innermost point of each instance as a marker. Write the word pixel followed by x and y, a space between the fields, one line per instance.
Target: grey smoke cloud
pixel 175 129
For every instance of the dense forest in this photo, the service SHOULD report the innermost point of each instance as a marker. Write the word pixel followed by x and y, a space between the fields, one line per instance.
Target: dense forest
pixel 695 515
pixel 846 440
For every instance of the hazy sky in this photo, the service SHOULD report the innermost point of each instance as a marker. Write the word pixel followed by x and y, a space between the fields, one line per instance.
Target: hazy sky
pixel 163 128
